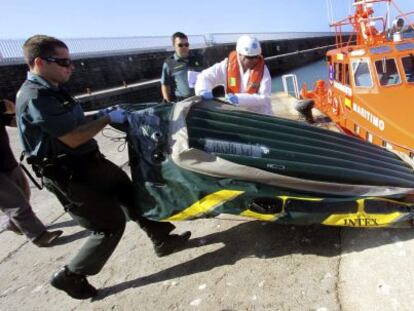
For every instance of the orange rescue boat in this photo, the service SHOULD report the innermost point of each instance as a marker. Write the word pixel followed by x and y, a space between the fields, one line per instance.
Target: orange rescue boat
pixel 370 92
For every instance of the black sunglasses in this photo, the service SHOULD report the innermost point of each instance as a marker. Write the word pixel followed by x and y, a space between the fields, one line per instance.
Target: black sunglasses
pixel 64 62
pixel 183 44
pixel 252 57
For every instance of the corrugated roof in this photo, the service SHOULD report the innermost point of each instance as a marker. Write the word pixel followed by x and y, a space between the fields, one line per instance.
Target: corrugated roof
pixel 11 49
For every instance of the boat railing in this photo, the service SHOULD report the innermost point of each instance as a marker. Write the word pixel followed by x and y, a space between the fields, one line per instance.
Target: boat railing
pixel 367 2
pixel 294 80
pixel 369 29
pixel 357 32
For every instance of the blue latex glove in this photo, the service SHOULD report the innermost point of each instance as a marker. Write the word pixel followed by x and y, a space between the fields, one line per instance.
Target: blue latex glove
pixel 117 115
pixel 104 112
pixel 206 95
pixel 232 99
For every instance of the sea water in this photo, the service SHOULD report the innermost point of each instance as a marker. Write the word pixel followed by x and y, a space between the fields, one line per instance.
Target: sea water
pixel 306 74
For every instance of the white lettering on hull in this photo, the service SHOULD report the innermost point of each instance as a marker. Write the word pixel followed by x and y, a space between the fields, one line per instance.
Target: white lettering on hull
pixel 369 116
pixel 343 88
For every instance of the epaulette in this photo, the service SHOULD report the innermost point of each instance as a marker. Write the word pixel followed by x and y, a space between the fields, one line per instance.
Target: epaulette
pixel 61 96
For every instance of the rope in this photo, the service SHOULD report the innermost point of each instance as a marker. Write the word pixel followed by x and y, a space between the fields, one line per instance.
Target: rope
pixel 122 139
pixel 299 52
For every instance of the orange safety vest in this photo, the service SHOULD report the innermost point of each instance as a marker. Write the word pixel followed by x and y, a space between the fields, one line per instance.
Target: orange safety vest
pixel 233 75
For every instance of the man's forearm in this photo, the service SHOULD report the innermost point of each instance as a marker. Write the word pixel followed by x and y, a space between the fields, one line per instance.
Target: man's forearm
pixel 165 90
pixel 84 132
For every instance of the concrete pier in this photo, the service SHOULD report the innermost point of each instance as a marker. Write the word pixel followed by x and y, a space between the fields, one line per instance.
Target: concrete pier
pixel 230 264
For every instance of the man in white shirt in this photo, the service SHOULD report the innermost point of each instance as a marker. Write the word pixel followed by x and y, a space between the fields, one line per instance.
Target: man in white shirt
pixel 245 76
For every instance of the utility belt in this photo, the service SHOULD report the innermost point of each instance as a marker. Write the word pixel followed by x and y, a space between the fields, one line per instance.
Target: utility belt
pixel 62 168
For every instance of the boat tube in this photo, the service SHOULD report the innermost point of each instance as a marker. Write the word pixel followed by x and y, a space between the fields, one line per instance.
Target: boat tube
pixel 201 158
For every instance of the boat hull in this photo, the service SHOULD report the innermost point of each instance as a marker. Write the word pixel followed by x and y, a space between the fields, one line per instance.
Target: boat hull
pixel 237 162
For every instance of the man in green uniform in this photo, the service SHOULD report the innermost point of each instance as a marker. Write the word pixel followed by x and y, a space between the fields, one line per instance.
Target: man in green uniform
pixel 58 140
pixel 180 70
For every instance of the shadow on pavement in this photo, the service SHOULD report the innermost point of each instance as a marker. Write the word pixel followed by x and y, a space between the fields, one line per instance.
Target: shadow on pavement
pixel 264 240
pixel 63 224
pixel 65 239
pixel 258 239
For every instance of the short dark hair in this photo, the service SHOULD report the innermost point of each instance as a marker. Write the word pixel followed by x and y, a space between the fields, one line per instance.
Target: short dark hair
pixel 40 46
pixel 178 34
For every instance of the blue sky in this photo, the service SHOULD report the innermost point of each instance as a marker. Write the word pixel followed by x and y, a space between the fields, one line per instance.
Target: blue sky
pixel 104 18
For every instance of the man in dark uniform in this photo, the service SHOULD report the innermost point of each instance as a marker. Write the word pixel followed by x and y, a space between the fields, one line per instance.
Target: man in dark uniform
pixel 179 71
pixel 58 140
pixel 15 190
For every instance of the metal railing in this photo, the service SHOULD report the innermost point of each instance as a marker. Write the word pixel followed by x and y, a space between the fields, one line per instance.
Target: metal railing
pixel 11 49
pixel 294 79
pixel 222 38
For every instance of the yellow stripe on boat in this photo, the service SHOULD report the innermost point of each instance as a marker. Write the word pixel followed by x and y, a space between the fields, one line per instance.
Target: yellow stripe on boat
pixel 259 216
pixel 363 219
pixel 273 217
pixel 285 197
pixel 206 204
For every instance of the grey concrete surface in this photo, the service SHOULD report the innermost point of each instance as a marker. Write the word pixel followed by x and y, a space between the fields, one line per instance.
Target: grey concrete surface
pixel 228 265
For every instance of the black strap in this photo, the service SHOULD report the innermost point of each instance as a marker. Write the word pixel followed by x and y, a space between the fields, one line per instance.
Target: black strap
pixel 26 171
pixel 39 186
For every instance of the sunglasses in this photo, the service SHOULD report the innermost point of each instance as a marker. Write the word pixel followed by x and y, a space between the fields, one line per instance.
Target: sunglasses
pixel 180 45
pixel 64 62
pixel 252 57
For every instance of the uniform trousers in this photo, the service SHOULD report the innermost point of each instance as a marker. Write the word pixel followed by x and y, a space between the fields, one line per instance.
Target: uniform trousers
pixel 14 202
pixel 99 197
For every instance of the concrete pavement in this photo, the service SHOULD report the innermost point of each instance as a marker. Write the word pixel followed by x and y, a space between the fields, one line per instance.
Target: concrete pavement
pixel 229 265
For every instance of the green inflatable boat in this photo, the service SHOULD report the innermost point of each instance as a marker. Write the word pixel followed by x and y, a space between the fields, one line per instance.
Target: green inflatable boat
pixel 203 158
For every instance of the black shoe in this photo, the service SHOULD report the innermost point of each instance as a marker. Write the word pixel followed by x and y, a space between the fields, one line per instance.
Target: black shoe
pixel 75 285
pixel 13 228
pixel 47 238
pixel 171 243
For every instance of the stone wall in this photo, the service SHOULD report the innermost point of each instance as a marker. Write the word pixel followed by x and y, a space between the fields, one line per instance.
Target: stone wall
pixel 100 73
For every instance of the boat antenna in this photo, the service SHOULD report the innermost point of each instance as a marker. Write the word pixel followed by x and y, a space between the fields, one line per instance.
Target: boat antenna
pixel 329 10
pixel 388 17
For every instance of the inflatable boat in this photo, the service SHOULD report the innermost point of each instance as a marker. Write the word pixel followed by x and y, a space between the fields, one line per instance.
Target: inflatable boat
pixel 201 158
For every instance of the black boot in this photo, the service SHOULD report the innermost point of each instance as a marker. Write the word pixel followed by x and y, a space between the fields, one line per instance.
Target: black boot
pixel 13 228
pixel 75 285
pixel 152 227
pixel 170 243
pixel 159 233
pixel 47 238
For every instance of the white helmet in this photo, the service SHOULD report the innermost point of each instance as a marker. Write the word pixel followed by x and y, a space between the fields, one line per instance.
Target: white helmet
pixel 248 46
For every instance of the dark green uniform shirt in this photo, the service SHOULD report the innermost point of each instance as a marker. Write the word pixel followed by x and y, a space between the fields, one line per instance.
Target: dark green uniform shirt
pixel 175 74
pixel 44 113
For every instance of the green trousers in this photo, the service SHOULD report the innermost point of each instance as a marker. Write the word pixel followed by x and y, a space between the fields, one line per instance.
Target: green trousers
pixel 99 197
